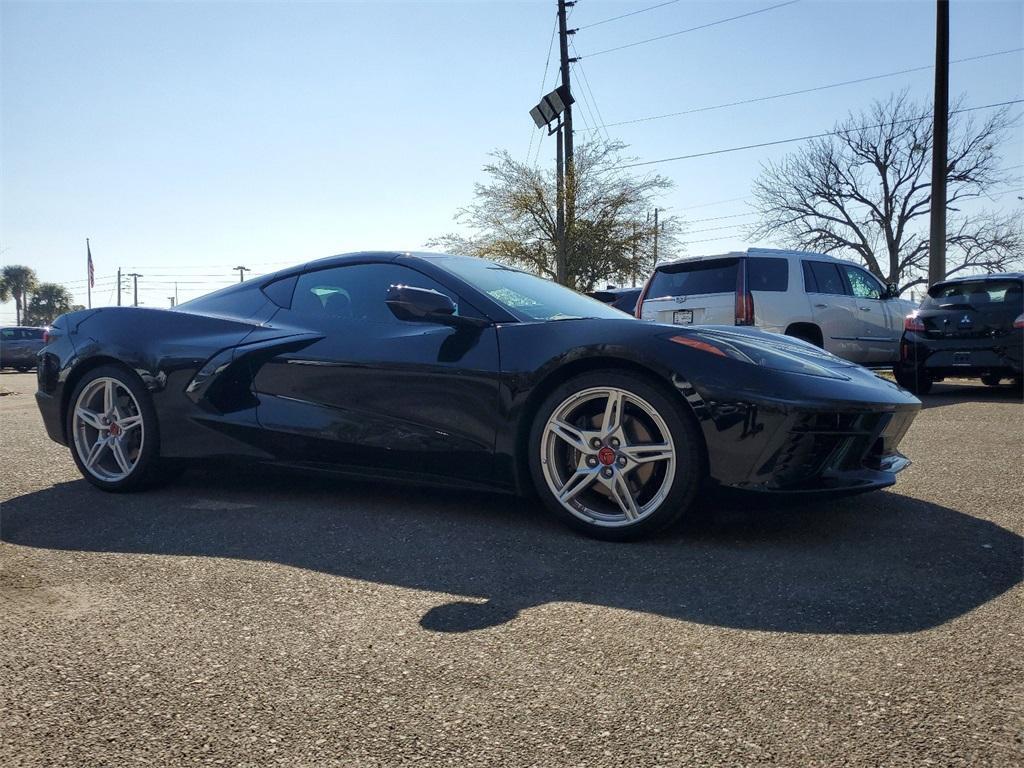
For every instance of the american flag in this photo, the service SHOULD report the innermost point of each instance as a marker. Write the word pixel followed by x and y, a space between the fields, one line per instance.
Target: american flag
pixel 92 272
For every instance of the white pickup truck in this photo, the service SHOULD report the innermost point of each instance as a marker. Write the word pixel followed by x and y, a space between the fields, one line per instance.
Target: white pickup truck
pixel 826 301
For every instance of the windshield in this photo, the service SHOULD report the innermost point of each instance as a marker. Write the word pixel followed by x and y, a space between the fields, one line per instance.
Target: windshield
pixel 527 295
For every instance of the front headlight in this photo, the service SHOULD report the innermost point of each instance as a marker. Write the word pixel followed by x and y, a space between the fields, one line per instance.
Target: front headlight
pixel 779 355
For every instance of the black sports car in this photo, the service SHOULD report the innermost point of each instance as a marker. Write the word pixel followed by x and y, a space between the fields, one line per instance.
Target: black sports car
pixel 461 371
pixel 967 327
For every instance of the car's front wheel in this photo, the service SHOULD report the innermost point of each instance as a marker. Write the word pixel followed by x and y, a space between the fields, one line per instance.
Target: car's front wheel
pixel 112 430
pixel 615 456
pixel 913 379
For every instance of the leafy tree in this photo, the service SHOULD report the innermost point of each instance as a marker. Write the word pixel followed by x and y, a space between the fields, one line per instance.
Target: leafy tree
pixel 49 301
pixel 867 190
pixel 16 281
pixel 513 217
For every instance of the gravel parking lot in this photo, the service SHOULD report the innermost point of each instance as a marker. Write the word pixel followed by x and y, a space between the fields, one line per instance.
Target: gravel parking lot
pixel 255 619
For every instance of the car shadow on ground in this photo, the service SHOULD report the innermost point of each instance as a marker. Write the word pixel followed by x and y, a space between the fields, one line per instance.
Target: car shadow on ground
pixel 953 393
pixel 878 563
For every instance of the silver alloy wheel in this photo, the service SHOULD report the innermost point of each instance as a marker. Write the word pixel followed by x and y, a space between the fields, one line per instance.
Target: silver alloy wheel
pixel 608 456
pixel 108 429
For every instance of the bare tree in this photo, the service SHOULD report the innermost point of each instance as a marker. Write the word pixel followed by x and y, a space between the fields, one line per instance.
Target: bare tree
pixel 513 218
pixel 867 190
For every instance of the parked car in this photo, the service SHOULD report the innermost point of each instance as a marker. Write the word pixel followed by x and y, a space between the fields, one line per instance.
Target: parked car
pixel 968 327
pixel 829 302
pixel 623 299
pixel 388 365
pixel 19 346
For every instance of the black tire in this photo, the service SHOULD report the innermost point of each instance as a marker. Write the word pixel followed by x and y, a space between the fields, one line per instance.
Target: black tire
pixel 23 368
pixel 690 470
pixel 148 469
pixel 991 381
pixel 807 336
pixel 913 379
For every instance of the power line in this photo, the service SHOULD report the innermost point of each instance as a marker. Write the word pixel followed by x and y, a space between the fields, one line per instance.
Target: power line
pixel 631 13
pixel 593 99
pixel 801 91
pixel 543 83
pixel 693 29
pixel 714 202
pixel 719 218
pixel 808 137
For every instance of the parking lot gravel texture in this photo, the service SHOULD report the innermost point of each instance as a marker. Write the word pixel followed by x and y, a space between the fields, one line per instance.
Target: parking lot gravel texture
pixel 250 618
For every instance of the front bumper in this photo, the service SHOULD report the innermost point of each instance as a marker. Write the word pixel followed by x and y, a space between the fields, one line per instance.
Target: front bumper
pixel 807 444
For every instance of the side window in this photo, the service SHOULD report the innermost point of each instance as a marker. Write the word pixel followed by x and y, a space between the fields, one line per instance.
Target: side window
pixel 826 277
pixel 8 334
pixel 36 334
pixel 862 284
pixel 765 274
pixel 356 293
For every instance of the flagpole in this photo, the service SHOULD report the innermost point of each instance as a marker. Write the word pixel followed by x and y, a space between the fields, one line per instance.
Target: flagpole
pixel 88 272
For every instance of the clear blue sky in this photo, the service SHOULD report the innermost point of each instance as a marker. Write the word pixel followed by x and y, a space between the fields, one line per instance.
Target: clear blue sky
pixel 185 139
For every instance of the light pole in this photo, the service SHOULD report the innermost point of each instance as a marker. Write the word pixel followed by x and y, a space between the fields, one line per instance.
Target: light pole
pixel 241 273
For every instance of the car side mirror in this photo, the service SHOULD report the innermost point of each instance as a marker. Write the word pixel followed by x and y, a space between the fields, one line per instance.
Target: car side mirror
pixel 422 305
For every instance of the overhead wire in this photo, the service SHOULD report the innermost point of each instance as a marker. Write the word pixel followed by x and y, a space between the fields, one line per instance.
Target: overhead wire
pixel 800 91
pixel 808 137
pixel 691 29
pixel 631 13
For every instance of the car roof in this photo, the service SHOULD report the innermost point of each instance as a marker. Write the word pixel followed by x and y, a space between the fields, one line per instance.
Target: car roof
pixel 982 278
pixel 777 253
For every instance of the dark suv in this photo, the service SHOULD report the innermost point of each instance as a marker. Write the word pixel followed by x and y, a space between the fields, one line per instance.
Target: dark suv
pixel 19 345
pixel 970 327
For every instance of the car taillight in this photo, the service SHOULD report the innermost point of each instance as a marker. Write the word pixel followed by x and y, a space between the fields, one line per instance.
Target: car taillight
pixel 643 295
pixel 913 323
pixel 744 309
pixel 1019 322
pixel 47 336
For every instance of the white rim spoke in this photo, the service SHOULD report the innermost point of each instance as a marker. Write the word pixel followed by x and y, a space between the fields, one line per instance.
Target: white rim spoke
pixel 569 434
pixel 644 453
pixel 119 456
pixel 624 497
pixel 95 452
pixel 612 412
pixel 129 423
pixel 577 482
pixel 108 397
pixel 89 417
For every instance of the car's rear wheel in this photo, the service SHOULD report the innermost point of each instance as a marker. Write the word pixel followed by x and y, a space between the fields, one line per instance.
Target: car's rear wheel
pixel 991 380
pixel 112 430
pixel 614 456
pixel 913 379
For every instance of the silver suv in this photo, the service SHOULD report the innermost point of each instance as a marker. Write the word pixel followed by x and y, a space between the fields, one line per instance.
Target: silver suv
pixel 826 301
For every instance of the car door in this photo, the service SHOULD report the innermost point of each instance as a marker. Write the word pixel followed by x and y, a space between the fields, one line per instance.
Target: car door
pixel 835 311
pixel 881 333
pixel 376 392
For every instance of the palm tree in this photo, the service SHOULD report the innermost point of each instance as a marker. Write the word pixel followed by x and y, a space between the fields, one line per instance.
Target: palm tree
pixel 49 301
pixel 17 281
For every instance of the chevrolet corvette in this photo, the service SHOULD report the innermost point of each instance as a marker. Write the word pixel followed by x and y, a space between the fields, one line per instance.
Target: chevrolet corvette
pixel 458 371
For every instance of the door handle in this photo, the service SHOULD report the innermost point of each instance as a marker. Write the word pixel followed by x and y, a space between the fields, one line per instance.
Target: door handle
pixel 821 306
pixel 865 309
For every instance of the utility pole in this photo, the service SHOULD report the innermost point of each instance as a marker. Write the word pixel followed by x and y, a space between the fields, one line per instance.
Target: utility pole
pixel 241 273
pixel 561 266
pixel 655 237
pixel 135 288
pixel 171 299
pixel 940 144
pixel 119 286
pixel 570 174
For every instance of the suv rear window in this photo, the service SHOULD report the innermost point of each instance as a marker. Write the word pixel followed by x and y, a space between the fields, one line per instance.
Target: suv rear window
pixel 1000 294
pixel 691 278
pixel 764 274
pixel 823 277
pixel 33 333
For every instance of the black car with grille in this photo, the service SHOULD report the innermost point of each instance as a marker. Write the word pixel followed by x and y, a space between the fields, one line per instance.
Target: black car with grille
pixel 971 327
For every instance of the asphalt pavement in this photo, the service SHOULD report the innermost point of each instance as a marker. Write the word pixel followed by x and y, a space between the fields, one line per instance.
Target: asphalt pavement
pixel 261 618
